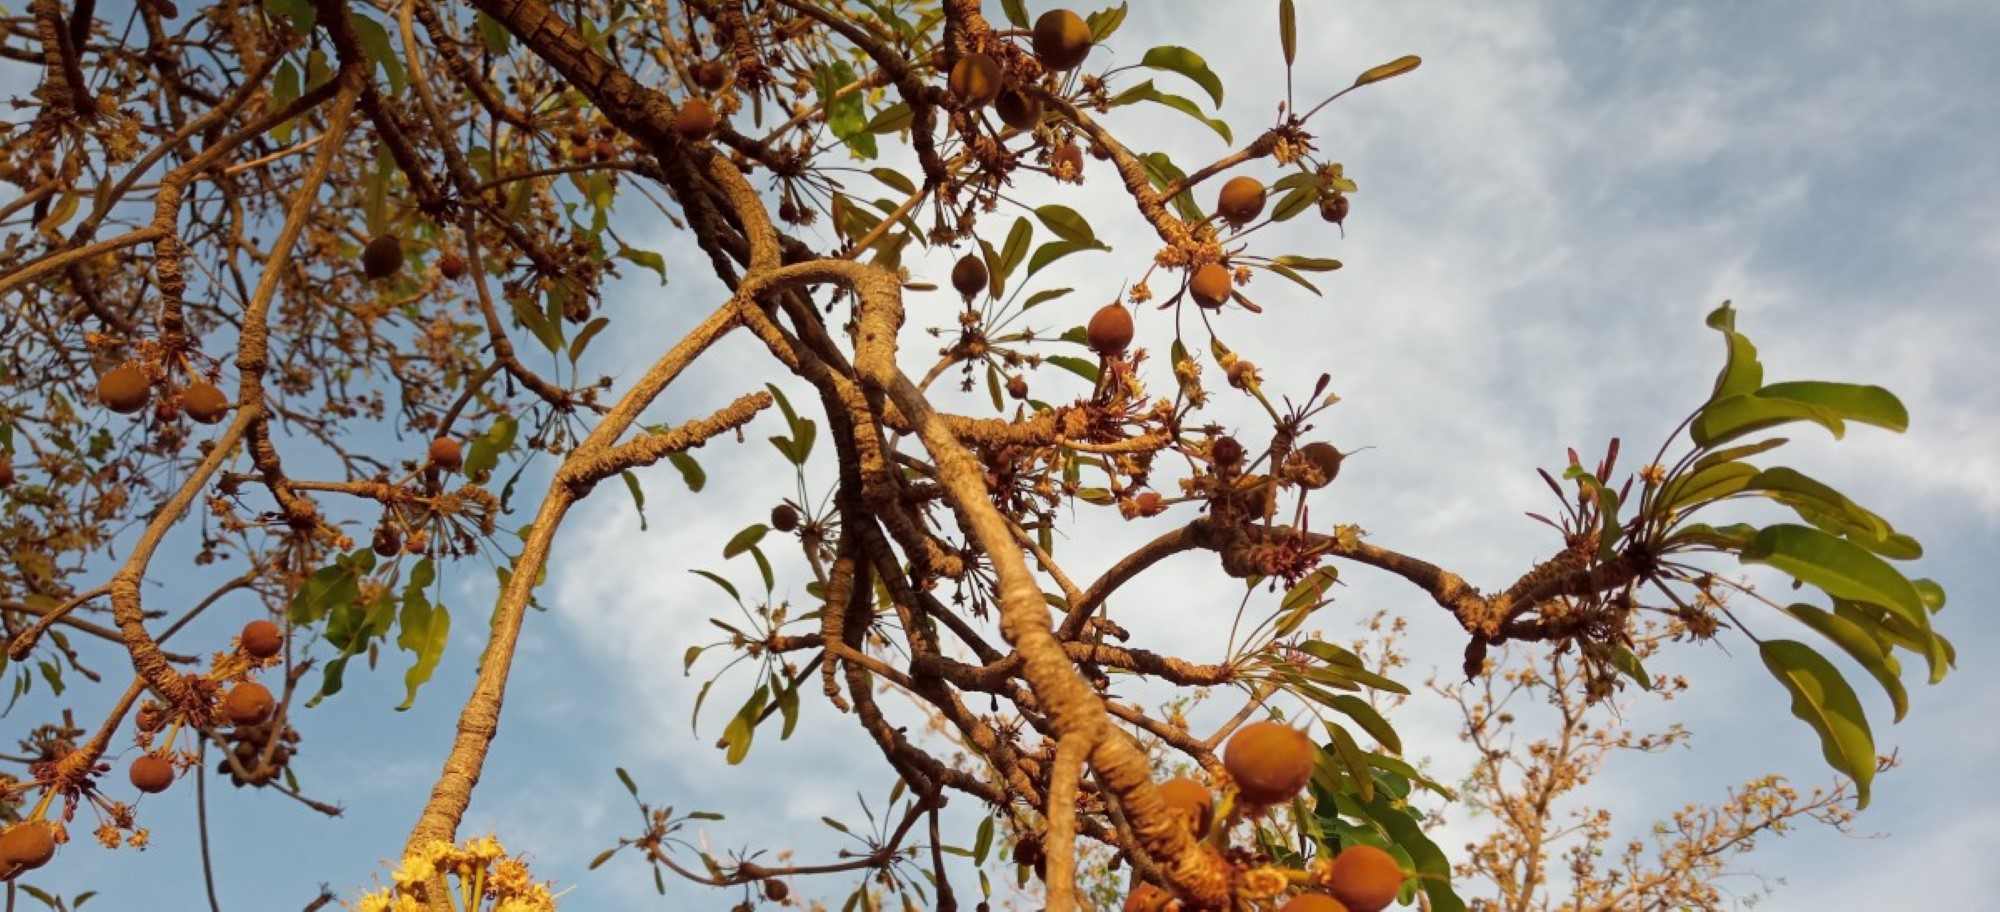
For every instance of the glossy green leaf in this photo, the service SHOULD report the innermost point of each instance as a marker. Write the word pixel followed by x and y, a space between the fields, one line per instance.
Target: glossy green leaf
pixel 1840 568
pixel 1705 485
pixel 1731 417
pixel 1853 402
pixel 1733 537
pixel 1791 486
pixel 1369 719
pixel 1732 454
pixel 892 119
pixel 1056 250
pixel 1865 648
pixel 1067 224
pixel 1741 373
pixel 1348 665
pixel 1295 201
pixel 1823 700
pixel 1187 63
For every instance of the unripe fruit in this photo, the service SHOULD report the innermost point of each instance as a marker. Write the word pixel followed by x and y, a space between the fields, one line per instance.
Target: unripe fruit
pixel 1190 798
pixel 27 845
pixel 1324 458
pixel 784 518
pixel 695 120
pixel 969 275
pixel 1062 39
pixel 7 478
pixel 203 402
pixel 1241 201
pixel 151 773
pixel 382 258
pixel 261 639
pixel 1110 330
pixel 452 267
pixel 1211 286
pixel 125 389
pixel 776 891
pixel 1270 761
pixel 1017 386
pixel 1365 878
pixel 710 74
pixel 1312 902
pixel 1018 109
pixel 447 454
pixel 248 703
pixel 975 81
pixel 1334 209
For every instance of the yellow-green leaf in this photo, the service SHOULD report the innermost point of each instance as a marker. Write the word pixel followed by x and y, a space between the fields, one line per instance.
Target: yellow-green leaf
pixel 1823 700
pixel 1390 70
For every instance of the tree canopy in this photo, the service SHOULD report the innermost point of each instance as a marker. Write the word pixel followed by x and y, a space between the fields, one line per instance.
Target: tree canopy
pixel 301 299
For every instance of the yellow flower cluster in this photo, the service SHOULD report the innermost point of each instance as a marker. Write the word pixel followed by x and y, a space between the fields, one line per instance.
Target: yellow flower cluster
pixel 488 880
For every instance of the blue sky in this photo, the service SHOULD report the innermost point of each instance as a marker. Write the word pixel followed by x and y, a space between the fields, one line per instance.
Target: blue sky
pixel 1547 209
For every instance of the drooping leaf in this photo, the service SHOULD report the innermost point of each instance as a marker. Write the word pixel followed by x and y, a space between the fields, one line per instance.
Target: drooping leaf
pixel 1851 401
pixel 1741 373
pixel 1865 648
pixel 1839 567
pixel 1067 224
pixel 1730 417
pixel 1146 91
pixel 1823 700
pixel 1180 60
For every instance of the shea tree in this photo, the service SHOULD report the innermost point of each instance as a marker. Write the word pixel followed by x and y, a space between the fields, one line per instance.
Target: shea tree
pixel 300 289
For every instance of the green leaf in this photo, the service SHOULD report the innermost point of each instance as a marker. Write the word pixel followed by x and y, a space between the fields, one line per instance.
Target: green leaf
pixel 375 40
pixel 1733 537
pixel 425 635
pixel 1044 296
pixel 1864 647
pixel 582 340
pixel 690 470
pixel 1288 273
pixel 1175 59
pixel 1735 453
pixel 1823 699
pixel 892 119
pixel 1067 224
pixel 1163 173
pixel 1840 568
pixel 1795 489
pixel 497 38
pixel 1741 374
pixel 1016 12
pixel 1056 250
pixel 1370 721
pixel 1309 264
pixel 1390 70
pixel 626 778
pixel 744 540
pixel 1628 665
pixel 299 14
pixel 1731 417
pixel 846 115
pixel 1078 366
pixel 1146 92
pixel 645 258
pixel 1295 201
pixel 1347 665
pixel 983 842
pixel 1854 402
pixel 1105 21
pixel 486 449
pixel 638 495
pixel 1704 485
pixel 1288 30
